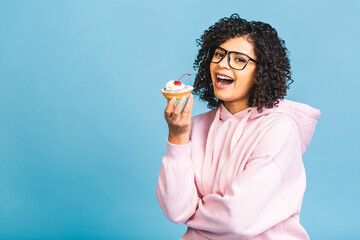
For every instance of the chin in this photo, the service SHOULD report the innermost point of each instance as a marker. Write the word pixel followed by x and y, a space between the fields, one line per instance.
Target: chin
pixel 223 97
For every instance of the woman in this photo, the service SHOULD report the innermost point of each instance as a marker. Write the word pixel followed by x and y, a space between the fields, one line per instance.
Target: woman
pixel 236 172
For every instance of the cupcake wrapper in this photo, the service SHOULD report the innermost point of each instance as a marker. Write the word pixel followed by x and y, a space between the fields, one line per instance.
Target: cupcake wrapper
pixel 178 95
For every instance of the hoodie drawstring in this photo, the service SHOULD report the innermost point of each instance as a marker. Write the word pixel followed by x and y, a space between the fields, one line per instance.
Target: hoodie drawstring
pixel 207 180
pixel 238 131
pixel 208 159
pixel 230 164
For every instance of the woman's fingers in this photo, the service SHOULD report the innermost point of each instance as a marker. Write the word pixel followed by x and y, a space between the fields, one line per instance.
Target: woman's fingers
pixel 174 112
pixel 178 107
pixel 169 108
pixel 188 106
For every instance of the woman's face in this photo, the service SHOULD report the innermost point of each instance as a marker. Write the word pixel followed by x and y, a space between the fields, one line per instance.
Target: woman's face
pixel 235 92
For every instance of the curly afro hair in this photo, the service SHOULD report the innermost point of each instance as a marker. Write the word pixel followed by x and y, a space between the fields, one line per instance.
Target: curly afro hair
pixel 272 72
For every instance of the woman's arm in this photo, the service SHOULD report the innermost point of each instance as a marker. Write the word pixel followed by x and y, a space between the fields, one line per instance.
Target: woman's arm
pixel 176 191
pixel 268 191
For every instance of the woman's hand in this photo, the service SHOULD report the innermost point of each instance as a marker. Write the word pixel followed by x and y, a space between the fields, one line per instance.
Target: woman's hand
pixel 179 122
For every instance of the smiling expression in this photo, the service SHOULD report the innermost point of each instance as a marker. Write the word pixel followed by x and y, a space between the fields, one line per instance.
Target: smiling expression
pixel 231 85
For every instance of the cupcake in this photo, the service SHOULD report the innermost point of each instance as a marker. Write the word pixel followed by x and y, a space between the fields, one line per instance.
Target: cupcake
pixel 176 89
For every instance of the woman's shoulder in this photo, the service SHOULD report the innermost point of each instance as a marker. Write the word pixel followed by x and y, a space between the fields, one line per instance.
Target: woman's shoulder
pixel 277 117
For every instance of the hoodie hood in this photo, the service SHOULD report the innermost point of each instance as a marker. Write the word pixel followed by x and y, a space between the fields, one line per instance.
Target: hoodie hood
pixel 304 115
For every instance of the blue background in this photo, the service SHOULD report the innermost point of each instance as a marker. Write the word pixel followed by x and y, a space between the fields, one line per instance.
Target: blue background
pixel 81 114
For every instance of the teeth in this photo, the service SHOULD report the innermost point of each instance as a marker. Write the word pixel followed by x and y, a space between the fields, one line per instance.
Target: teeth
pixel 223 77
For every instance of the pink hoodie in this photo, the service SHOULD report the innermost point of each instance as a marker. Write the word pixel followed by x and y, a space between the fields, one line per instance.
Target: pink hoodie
pixel 240 176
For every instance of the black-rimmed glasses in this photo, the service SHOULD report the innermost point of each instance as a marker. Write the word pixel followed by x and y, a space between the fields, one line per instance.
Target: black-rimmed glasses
pixel 236 60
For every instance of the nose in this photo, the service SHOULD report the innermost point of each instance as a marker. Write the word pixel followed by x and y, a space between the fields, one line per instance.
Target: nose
pixel 224 63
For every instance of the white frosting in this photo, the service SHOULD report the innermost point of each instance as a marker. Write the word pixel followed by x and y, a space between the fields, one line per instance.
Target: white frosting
pixel 171 86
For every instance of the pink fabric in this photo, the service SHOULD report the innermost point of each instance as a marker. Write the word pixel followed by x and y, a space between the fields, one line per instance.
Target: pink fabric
pixel 240 176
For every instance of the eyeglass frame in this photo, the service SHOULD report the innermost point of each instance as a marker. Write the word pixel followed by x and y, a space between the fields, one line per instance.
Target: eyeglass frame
pixel 228 54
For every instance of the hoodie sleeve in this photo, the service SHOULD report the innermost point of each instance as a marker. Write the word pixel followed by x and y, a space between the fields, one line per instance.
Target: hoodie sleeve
pixel 268 191
pixel 176 191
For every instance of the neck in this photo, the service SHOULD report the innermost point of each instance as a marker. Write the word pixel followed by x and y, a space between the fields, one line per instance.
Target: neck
pixel 235 107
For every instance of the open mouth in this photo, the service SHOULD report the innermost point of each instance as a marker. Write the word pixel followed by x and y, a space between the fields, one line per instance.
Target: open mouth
pixel 223 81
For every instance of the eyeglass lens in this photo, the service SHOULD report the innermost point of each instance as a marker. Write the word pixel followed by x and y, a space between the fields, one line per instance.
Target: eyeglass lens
pixel 237 60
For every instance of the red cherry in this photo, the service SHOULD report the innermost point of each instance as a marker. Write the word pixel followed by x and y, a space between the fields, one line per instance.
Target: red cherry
pixel 177 83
